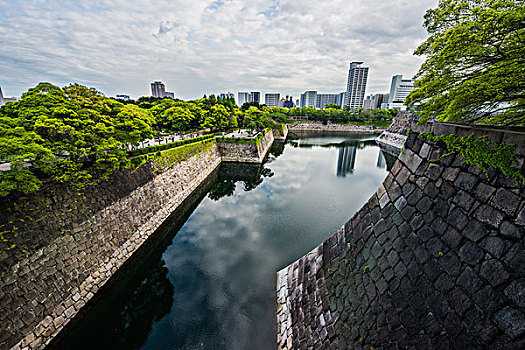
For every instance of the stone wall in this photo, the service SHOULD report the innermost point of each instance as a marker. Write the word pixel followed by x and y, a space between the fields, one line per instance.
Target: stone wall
pixel 298 128
pixel 246 152
pixel 279 134
pixel 41 293
pixel 434 260
pixel 392 139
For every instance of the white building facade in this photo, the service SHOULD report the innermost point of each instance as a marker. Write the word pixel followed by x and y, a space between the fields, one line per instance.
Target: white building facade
pixel 399 90
pixel 272 99
pixel 356 85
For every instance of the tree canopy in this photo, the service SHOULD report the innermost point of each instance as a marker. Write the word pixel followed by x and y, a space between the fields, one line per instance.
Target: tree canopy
pixel 475 64
pixel 70 134
pixel 76 134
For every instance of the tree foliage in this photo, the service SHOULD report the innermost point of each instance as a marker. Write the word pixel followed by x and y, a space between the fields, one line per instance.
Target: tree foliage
pixel 475 64
pixel 70 134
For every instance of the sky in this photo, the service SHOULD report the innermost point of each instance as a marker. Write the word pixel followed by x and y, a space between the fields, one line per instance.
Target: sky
pixel 198 47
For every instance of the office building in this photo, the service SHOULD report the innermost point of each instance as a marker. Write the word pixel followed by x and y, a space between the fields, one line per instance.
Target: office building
pixel 169 95
pixel 4 100
pixel 272 99
pixel 122 97
pixel 309 99
pixel 378 99
pixel 158 89
pixel 323 99
pixel 399 90
pixel 367 103
pixel 255 97
pixel 356 86
pixel 242 98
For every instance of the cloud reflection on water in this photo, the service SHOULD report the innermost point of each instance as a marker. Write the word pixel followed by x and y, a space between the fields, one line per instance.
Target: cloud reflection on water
pixel 222 263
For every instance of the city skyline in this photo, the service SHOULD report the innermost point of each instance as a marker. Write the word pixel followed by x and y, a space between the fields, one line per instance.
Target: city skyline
pixel 203 47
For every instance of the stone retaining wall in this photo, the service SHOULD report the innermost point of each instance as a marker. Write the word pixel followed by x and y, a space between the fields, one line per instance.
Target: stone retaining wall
pixel 40 294
pixel 279 134
pixel 298 128
pixel 434 260
pixel 246 152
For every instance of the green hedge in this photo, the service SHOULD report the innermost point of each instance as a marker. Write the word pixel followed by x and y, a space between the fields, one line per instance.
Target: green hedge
pixel 173 155
pixel 165 146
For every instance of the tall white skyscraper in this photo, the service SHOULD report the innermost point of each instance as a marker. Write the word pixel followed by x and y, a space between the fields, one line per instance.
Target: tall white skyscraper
pixel 399 90
pixel 272 99
pixel 356 86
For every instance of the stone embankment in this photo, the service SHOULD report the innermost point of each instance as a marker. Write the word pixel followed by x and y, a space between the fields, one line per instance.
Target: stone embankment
pixel 246 152
pixel 434 260
pixel 41 293
pixel 298 128
pixel 65 243
pixel 394 137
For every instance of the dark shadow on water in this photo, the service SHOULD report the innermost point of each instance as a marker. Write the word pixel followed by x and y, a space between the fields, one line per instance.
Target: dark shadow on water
pixel 121 314
pixel 251 176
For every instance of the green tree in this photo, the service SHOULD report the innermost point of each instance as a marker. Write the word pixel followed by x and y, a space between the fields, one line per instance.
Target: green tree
pixel 475 65
pixel 256 119
pixel 216 117
pixel 70 134
pixel 177 118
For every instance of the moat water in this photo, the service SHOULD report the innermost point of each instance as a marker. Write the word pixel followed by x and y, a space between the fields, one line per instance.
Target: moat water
pixel 209 283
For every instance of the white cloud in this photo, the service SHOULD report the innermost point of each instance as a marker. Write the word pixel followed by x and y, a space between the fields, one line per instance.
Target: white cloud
pixel 197 47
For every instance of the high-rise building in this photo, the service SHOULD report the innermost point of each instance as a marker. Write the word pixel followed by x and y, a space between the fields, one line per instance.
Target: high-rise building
pixel 242 98
pixel 323 99
pixel 158 89
pixel 356 86
pixel 4 100
pixel 256 96
pixel 309 99
pixel 367 103
pixel 378 99
pixel 272 99
pixel 399 90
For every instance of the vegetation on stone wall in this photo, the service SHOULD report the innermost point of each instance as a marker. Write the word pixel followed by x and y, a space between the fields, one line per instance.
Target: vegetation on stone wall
pixel 165 146
pixel 172 156
pixel 474 69
pixel 480 153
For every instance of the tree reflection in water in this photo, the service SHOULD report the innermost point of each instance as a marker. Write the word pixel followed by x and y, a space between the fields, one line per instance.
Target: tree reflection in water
pixel 251 175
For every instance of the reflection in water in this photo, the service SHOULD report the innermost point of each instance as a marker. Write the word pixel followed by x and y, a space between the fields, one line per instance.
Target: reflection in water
pixel 346 160
pixel 381 162
pixel 222 262
pixel 251 175
pixel 277 148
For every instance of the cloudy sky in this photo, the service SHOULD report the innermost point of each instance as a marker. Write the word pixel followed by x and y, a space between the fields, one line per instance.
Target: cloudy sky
pixel 200 47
